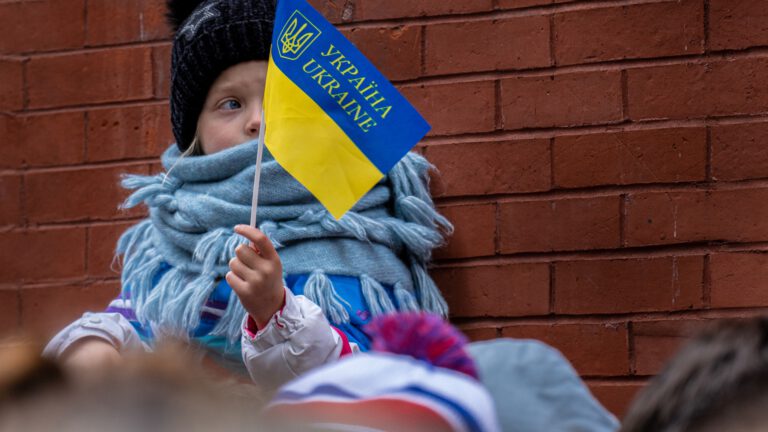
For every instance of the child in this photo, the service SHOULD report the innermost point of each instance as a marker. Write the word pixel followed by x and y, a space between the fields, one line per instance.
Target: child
pixel 182 263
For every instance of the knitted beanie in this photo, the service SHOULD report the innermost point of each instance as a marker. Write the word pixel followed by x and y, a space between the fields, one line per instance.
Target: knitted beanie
pixel 210 36
pixel 417 378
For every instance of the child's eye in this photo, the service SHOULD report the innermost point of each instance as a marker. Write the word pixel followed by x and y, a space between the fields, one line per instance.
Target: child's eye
pixel 230 104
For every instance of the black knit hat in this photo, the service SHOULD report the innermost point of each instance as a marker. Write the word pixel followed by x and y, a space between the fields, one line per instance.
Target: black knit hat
pixel 211 36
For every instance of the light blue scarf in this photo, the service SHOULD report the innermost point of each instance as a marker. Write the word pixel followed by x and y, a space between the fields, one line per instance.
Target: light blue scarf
pixel 386 239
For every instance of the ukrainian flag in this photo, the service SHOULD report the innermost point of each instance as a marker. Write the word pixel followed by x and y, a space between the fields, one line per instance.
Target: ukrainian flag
pixel 332 120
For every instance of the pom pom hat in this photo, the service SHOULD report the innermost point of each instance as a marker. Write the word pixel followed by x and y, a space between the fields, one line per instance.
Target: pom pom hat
pixel 210 36
pixel 417 378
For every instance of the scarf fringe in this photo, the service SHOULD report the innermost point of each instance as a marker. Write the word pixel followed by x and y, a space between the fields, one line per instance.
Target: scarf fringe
pixel 405 299
pixel 429 296
pixel 376 296
pixel 230 324
pixel 155 190
pixel 211 250
pixel 320 290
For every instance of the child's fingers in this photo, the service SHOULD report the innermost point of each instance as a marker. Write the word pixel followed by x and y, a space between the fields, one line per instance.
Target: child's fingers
pixel 248 274
pixel 259 240
pixel 236 283
pixel 248 256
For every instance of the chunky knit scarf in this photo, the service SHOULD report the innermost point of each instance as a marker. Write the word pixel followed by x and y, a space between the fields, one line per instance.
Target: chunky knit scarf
pixel 386 239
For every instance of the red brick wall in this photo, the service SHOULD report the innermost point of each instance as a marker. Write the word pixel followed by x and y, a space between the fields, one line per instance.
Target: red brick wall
pixel 603 161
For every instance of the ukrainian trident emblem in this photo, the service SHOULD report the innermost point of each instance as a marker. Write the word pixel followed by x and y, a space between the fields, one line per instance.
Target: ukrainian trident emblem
pixel 297 35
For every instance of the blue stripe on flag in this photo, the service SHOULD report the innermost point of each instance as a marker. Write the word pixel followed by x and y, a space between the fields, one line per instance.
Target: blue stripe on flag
pixel 323 66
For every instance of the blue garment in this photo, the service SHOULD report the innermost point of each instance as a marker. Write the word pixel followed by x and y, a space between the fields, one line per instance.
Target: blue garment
pixel 349 288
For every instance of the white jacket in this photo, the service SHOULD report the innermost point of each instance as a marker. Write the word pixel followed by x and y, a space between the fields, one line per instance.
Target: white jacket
pixel 298 338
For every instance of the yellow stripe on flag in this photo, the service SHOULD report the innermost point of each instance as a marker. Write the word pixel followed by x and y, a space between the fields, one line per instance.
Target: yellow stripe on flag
pixel 328 164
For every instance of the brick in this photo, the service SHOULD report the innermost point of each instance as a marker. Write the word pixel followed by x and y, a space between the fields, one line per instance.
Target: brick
pixel 474 231
pixel 118 74
pixel 477 45
pixel 739 151
pixel 10 196
pixel 77 195
pixel 628 285
pixel 128 132
pixel 593 349
pixel 49 139
pixel 27 25
pixel 335 11
pixel 478 334
pixel 11 152
pixel 516 4
pixel 657 341
pixel 154 25
pixel 484 168
pixel 559 224
pixel 46 310
pixel 387 9
pixel 42 254
pixel 631 157
pixel 102 241
pixel 636 31
pixel 495 290
pixel 616 397
pixel 737 24
pixel 455 108
pixel 395 51
pixel 161 66
pixel 11 84
pixel 683 91
pixel 690 216
pixel 156 168
pixel 9 310
pixel 111 22
pixel 560 100
pixel 739 279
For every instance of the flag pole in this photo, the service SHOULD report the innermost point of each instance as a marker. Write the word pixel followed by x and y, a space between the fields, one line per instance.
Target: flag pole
pixel 257 175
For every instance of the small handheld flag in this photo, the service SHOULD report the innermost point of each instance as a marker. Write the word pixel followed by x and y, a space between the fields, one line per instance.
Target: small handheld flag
pixel 332 120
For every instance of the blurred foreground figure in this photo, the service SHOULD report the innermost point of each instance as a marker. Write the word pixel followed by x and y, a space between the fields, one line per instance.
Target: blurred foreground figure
pixel 417 378
pixel 161 393
pixel 422 375
pixel 716 383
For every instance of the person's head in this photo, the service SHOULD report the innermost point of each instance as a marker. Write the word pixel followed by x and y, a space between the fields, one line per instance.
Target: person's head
pixel 166 390
pixel 218 70
pixel 231 113
pixel 717 382
pixel 416 377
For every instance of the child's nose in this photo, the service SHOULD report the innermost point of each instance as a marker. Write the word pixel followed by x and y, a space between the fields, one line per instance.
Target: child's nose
pixel 254 122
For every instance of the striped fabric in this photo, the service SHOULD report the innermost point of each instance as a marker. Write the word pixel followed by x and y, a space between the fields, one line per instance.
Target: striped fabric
pixel 212 310
pixel 216 304
pixel 385 392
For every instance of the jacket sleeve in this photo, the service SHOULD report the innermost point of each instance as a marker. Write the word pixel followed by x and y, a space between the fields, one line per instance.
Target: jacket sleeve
pixel 297 339
pixel 110 327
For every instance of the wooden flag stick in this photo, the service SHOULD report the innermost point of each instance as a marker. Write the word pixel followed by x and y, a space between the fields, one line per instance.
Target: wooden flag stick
pixel 257 176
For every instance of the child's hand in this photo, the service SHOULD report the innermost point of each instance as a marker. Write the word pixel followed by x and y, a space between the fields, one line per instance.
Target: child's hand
pixel 256 275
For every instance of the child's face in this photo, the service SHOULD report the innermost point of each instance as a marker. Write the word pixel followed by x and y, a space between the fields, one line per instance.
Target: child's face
pixel 232 111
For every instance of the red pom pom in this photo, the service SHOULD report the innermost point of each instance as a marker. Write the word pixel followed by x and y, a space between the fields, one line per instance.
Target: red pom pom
pixel 422 336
